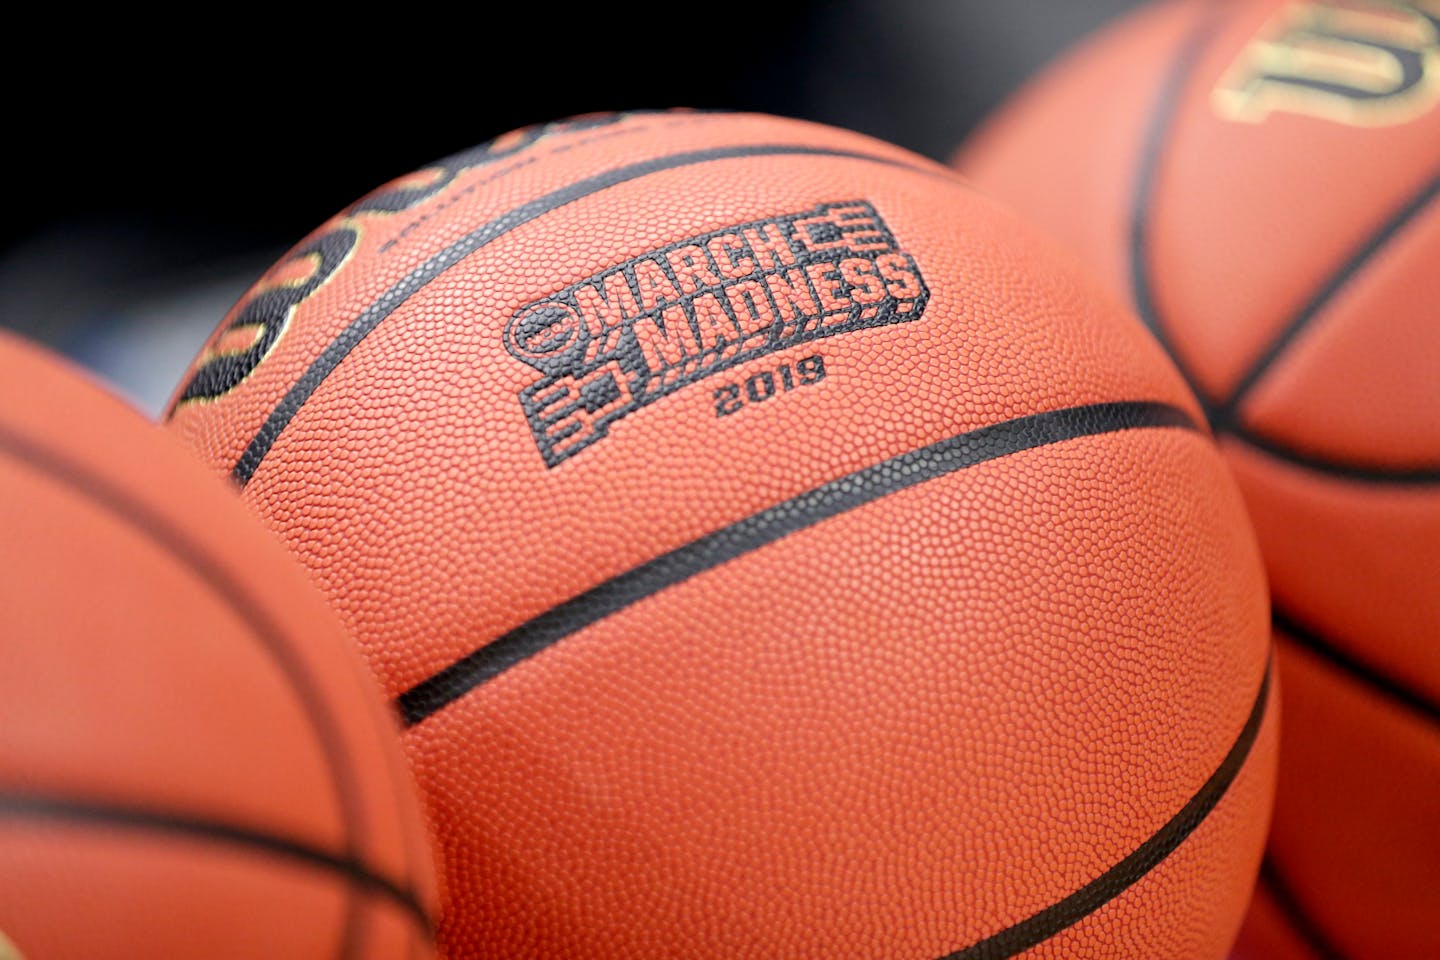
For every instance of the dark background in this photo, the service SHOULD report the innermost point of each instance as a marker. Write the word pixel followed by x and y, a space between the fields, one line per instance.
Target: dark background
pixel 152 181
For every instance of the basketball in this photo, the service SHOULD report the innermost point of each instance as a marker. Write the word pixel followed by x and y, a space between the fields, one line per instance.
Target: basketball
pixel 1259 179
pixel 193 762
pixel 773 547
pixel 1275 929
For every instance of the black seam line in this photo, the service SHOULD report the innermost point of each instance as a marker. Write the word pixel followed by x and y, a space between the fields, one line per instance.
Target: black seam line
pixel 1378 683
pixel 352 926
pixel 357 874
pixel 1228 411
pixel 834 498
pixel 1156 139
pixel 1301 922
pixel 1119 878
pixel 1355 472
pixel 1222 415
pixel 250 610
pixel 393 298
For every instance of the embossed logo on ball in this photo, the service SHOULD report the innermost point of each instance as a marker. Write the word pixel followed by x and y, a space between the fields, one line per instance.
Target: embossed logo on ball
pixel 620 340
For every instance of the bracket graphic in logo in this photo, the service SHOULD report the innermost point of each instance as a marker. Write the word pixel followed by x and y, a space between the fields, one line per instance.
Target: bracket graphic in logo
pixel 643 329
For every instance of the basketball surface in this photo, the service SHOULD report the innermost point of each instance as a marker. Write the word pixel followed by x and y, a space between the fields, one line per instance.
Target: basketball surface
pixel 1275 929
pixel 193 762
pixel 1260 179
pixel 774 549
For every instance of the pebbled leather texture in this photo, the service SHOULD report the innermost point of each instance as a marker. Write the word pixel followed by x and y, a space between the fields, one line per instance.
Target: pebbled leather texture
pixel 956 649
pixel 1275 218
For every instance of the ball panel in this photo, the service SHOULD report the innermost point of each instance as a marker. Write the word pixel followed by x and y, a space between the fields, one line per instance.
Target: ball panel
pixel 1085 198
pixel 1282 203
pixel 628 753
pixel 385 930
pixel 1141 923
pixel 98 898
pixel 156 632
pixel 126 723
pixel 1339 392
pixel 1357 559
pixel 1269 932
pixel 1354 788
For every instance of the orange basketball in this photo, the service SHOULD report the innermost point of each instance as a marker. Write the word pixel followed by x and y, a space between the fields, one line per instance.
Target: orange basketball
pixel 774 550
pixel 192 763
pixel 1275 928
pixel 1261 178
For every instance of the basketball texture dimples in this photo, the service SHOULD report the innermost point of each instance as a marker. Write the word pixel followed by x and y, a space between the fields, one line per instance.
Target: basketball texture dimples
pixel 1261 179
pixel 774 549
pixel 193 761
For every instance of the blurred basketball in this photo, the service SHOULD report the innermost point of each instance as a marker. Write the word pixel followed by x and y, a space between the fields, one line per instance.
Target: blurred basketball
pixel 1260 178
pixel 774 550
pixel 1274 930
pixel 192 761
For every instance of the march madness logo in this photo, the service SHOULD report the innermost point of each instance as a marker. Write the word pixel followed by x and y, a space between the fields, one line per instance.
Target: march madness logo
pixel 639 331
